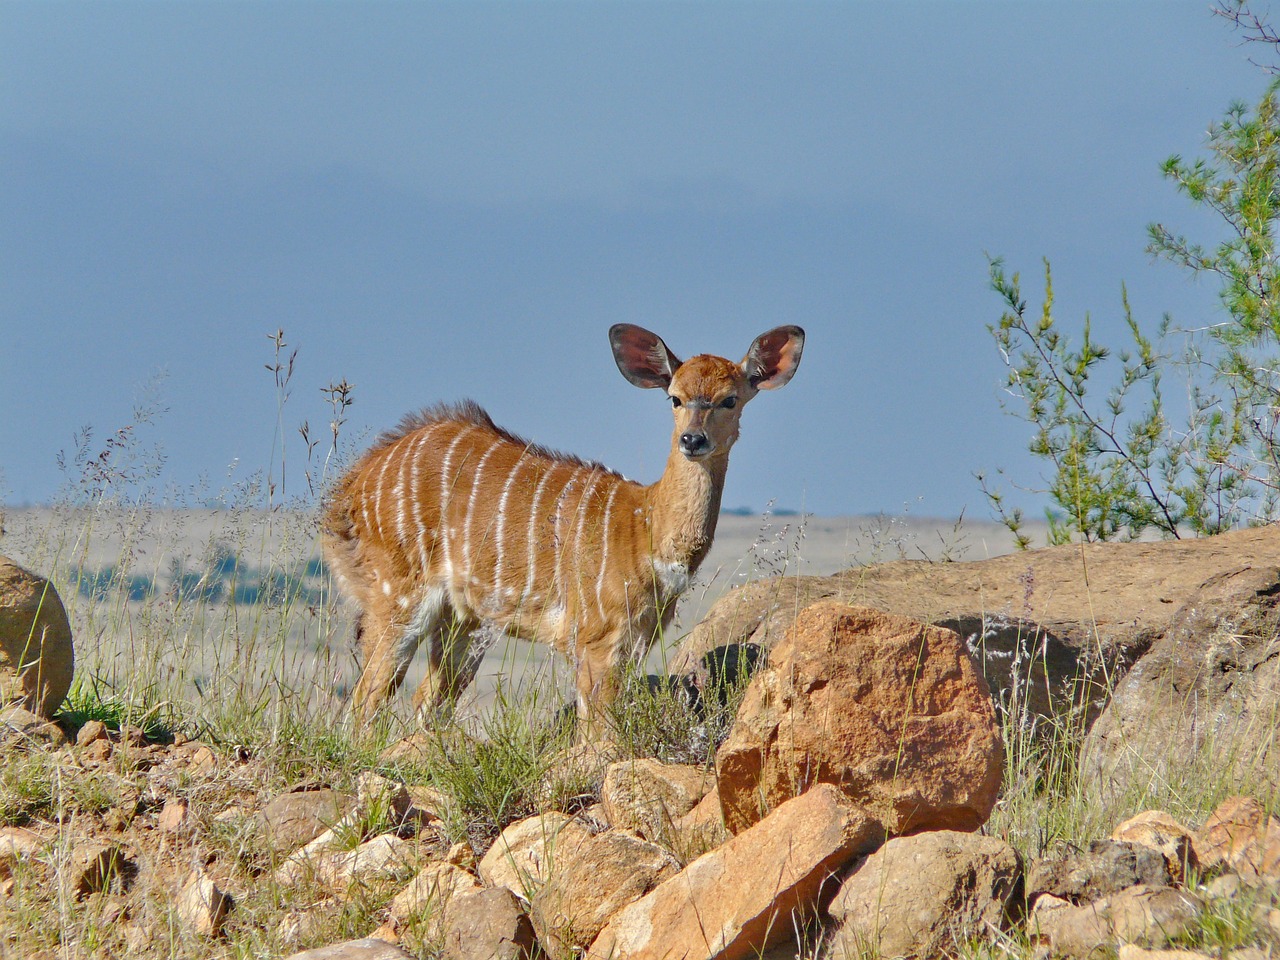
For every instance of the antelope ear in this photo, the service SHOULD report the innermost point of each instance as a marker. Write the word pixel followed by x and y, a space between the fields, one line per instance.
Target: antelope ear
pixel 642 356
pixel 773 358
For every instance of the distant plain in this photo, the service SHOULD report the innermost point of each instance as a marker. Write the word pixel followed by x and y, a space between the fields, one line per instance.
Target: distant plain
pixel 137 580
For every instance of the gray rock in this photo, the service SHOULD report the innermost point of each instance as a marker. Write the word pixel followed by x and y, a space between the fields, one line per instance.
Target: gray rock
pixel 927 895
pixel 369 948
pixel 488 925
pixel 1107 866
pixel 292 819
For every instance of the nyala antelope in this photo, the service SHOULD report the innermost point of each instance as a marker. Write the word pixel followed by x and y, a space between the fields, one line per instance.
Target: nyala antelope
pixel 450 524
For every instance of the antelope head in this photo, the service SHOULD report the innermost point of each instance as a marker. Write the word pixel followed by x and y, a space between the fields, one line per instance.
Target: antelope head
pixel 707 393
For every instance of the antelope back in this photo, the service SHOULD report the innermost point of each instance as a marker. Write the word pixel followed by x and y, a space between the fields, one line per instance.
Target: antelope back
pixel 531 540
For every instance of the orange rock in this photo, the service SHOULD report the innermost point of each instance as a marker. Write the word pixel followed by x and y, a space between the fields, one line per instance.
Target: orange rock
pixel 1242 837
pixel 889 709
pixel 37 657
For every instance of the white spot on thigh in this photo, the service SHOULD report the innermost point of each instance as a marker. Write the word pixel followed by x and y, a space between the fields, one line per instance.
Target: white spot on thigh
pixel 386 587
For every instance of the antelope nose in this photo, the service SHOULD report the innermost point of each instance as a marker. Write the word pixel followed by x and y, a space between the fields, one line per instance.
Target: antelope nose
pixel 693 444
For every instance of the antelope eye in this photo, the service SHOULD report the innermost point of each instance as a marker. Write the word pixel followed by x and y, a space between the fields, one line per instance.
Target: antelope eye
pixel 675 401
pixel 729 402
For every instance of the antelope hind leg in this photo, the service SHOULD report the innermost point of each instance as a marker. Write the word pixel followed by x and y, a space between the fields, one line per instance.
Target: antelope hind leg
pixel 389 643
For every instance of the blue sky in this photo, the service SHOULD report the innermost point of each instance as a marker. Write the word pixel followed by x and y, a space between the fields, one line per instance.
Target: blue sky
pixel 437 201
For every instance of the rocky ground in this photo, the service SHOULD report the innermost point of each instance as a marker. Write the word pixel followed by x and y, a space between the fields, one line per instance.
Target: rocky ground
pixel 861 804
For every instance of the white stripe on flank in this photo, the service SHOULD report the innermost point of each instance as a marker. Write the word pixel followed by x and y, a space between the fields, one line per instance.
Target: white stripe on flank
pixel 557 542
pixel 500 534
pixel 377 493
pixel 604 551
pixel 446 487
pixel 584 507
pixel 415 499
pixel 471 508
pixel 531 535
pixel 364 508
pixel 406 463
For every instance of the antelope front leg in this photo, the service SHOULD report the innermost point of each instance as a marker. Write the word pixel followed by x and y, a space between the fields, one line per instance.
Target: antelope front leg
pixel 598 678
pixel 388 649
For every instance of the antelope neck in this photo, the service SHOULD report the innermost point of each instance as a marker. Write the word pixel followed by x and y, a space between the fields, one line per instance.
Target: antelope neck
pixel 684 505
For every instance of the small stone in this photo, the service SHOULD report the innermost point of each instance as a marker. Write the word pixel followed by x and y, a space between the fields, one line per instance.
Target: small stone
pixel 386 857
pixel 462 856
pixel 1146 916
pixel 928 895
pixel 425 901
pixel 173 817
pixel 377 792
pixel 1153 916
pixel 719 906
pixel 590 882
pixel 1225 887
pixel 1157 829
pixel 701 829
pixel 299 816
pixel 37 657
pixel 523 855
pixel 1104 867
pixel 648 796
pixel 1239 835
pixel 96 866
pixel 93 730
pixel 132 736
pixel 203 906
pixel 21 727
pixel 98 751
pixel 15 844
pixel 202 760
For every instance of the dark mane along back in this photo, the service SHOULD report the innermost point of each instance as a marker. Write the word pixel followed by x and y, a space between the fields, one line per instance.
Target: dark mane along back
pixel 468 411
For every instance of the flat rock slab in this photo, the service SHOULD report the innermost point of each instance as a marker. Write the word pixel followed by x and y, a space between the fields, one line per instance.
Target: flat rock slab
pixel 1078 602
pixel 740 899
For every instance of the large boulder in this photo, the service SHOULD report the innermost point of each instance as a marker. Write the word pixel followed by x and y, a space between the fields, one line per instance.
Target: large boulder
pixel 1206 693
pixel 1045 627
pixel 888 709
pixel 746 896
pixel 36 655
